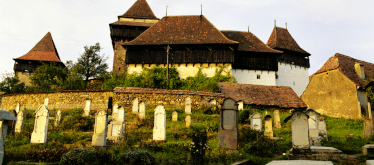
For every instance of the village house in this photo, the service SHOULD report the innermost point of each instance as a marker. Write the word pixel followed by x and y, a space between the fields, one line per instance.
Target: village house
pixel 43 52
pixel 337 89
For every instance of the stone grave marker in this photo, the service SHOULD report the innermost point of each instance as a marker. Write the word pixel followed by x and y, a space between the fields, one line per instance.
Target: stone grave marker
pixel 188 121
pixel 87 108
pixel 300 130
pixel 121 114
pixel 174 116
pixel 5 117
pixel 368 128
pixel 277 122
pixel 99 136
pixel 187 108
pixel 117 128
pixel 313 127
pixel 268 126
pixel 256 121
pixel 159 129
pixel 135 105
pixel 240 105
pixel 214 103
pixel 18 108
pixel 142 110
pixel 115 111
pixel 46 102
pixel 20 121
pixel 228 129
pixel 39 134
pixel 58 118
pixel 322 132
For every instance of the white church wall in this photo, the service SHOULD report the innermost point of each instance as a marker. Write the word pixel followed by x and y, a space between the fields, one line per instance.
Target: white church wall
pixel 245 76
pixel 293 76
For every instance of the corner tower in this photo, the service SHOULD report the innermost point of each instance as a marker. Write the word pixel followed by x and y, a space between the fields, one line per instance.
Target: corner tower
pixel 130 25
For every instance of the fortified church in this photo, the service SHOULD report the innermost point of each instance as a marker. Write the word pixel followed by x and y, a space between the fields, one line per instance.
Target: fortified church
pixel 189 43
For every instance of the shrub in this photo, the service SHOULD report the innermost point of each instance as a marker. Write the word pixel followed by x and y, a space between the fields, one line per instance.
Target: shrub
pixel 198 145
pixel 80 156
pixel 77 121
pixel 244 116
pixel 136 157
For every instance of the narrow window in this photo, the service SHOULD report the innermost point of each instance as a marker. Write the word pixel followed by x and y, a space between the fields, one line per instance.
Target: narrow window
pixel 258 76
pixel 293 82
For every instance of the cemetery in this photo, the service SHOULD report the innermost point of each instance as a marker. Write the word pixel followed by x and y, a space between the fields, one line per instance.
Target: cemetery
pixel 183 135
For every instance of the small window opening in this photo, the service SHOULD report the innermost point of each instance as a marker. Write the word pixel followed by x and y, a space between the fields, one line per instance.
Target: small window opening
pixel 293 82
pixel 258 76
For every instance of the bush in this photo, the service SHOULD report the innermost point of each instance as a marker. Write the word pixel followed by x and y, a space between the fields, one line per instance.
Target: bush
pixel 136 157
pixel 244 116
pixel 198 145
pixel 77 121
pixel 80 156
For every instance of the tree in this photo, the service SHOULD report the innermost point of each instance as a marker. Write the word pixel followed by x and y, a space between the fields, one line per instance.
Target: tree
pixel 11 84
pixel 93 65
pixel 48 77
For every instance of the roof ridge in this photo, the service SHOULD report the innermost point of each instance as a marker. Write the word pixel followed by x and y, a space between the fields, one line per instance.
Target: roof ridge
pixel 281 38
pixel 140 9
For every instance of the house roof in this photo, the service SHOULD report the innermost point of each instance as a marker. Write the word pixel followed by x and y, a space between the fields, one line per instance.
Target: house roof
pixel 279 96
pixel 127 23
pixel 44 50
pixel 346 65
pixel 249 42
pixel 280 38
pixel 181 30
pixel 140 9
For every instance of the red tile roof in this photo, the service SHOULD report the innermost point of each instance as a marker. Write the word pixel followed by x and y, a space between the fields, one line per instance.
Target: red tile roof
pixel 279 96
pixel 140 9
pixel 280 38
pixel 346 64
pixel 44 50
pixel 249 42
pixel 181 30
pixel 127 23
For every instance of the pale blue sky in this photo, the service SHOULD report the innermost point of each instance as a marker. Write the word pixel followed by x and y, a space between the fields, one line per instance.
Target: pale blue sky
pixel 320 27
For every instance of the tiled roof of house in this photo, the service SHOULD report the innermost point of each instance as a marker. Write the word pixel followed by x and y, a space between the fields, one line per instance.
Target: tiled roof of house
pixel 163 91
pixel 346 65
pixel 181 30
pixel 140 9
pixel 279 96
pixel 280 38
pixel 249 42
pixel 127 23
pixel 44 50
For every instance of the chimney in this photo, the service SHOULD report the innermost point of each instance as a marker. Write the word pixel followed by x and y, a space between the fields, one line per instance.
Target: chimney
pixel 359 68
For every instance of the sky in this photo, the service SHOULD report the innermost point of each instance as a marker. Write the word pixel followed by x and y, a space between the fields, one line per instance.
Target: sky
pixel 320 27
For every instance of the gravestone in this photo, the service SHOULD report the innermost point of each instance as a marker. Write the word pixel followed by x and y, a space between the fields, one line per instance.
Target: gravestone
pixel 369 111
pixel 135 105
pixel 20 121
pixel 87 108
pixel 268 126
pixel 5 117
pixel 99 136
pixel 214 103
pixel 228 128
pixel 39 134
pixel 368 128
pixel 240 105
pixel 174 116
pixel 142 111
pixel 300 130
pixel 313 127
pixel 117 128
pixel 188 120
pixel 46 102
pixel 256 121
pixel 277 122
pixel 322 132
pixel 115 111
pixel 187 108
pixel 159 129
pixel 58 118
pixel 18 108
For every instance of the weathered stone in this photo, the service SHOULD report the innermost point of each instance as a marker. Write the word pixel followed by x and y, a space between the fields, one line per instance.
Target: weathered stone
pixel 228 129
pixel 240 105
pixel 277 122
pixel 322 132
pixel 256 121
pixel 46 102
pixel 99 136
pixel 5 116
pixel 58 118
pixel 142 111
pixel 368 149
pixel 40 132
pixel 20 121
pixel 159 129
pixel 368 128
pixel 187 105
pixel 115 112
pixel 116 131
pixel 313 127
pixel 87 108
pixel 268 126
pixel 300 131
pixel 188 121
pixel 135 105
pixel 18 108
pixel 174 116
pixel 121 114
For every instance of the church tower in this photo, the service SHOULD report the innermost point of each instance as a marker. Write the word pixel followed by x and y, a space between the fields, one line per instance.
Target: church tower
pixel 129 26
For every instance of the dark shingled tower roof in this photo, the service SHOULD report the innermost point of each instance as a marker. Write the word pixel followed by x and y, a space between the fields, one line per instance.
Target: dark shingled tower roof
pixel 346 66
pixel 281 39
pixel 44 50
pixel 140 9
pixel 249 42
pixel 181 30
